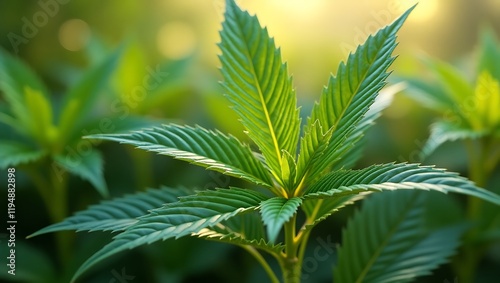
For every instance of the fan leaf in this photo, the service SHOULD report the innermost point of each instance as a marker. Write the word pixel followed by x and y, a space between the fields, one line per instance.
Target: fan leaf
pixel 345 101
pixel 117 214
pixel 258 86
pixel 191 214
pixel 387 241
pixel 212 150
pixel 395 177
pixel 276 211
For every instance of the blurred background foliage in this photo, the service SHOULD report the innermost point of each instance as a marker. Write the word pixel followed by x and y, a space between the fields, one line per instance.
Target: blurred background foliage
pixel 176 40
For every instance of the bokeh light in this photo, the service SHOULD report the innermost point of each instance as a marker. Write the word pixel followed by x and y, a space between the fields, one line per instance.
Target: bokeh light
pixel 74 34
pixel 176 40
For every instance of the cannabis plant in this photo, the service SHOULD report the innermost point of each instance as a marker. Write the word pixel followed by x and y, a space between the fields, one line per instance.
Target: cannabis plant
pixel 41 136
pixel 469 110
pixel 296 179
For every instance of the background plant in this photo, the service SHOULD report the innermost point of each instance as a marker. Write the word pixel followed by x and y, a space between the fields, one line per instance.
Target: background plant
pixel 41 130
pixel 469 110
pixel 260 91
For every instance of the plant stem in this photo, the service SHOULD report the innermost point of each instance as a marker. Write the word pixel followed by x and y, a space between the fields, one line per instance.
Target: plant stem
pixel 263 263
pixel 481 166
pixel 53 191
pixel 291 266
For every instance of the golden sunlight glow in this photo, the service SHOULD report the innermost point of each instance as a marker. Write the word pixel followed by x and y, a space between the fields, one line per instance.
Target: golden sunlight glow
pixel 426 10
pixel 74 34
pixel 176 40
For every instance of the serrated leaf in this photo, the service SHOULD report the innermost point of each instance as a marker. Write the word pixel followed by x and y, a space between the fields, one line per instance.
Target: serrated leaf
pixel 345 101
pixel 243 229
pixel 87 165
pixel 443 131
pixel 212 150
pixel 392 176
pixel 275 212
pixel 117 214
pixel 318 210
pixel 189 215
pixel 387 241
pixel 81 98
pixel 13 153
pixel 258 85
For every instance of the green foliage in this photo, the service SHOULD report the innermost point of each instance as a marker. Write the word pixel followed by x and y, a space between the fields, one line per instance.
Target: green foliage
pixel 117 214
pixel 212 150
pixel 400 246
pixel 290 177
pixel 32 114
pixel 469 112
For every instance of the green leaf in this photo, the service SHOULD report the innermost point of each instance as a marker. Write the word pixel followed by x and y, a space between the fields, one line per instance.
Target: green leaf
pixel 87 165
pixel 258 85
pixel 456 85
pixel 212 150
pixel 275 212
pixel 13 153
pixel 332 127
pixel 15 76
pixel 387 241
pixel 443 131
pixel 430 94
pixel 395 177
pixel 317 210
pixel 117 214
pixel 489 54
pixel 40 111
pixel 243 229
pixel 189 215
pixel 81 98
pixel 486 100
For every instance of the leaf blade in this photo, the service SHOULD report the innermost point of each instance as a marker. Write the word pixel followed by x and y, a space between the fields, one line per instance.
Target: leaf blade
pixel 117 214
pixel 393 176
pixel 88 166
pixel 276 211
pixel 399 247
pixel 346 100
pixel 180 219
pixel 212 150
pixel 258 85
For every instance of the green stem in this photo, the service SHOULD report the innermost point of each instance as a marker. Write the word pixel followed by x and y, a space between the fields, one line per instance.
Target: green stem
pixel 263 263
pixel 53 191
pixel 481 166
pixel 290 266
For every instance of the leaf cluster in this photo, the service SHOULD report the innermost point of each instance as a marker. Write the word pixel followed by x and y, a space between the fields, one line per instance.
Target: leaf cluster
pixel 297 170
